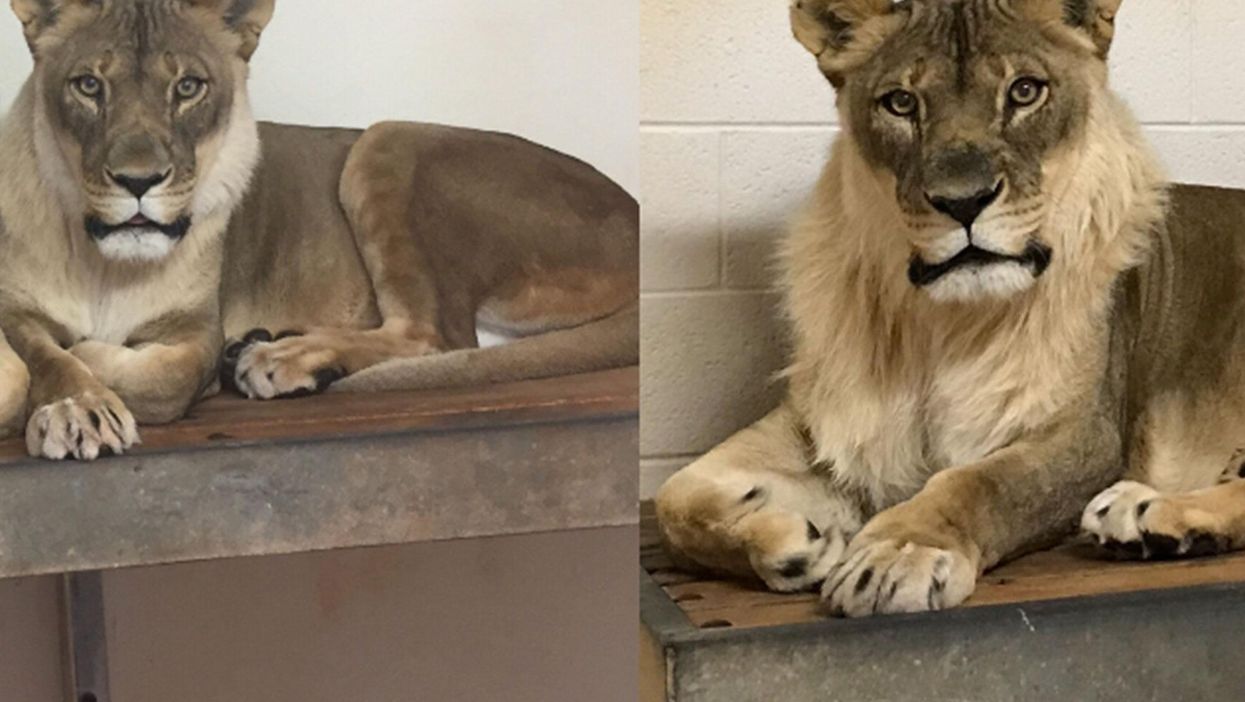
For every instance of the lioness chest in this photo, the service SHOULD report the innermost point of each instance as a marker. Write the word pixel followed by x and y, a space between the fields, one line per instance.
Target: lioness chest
pixel 111 302
pixel 963 400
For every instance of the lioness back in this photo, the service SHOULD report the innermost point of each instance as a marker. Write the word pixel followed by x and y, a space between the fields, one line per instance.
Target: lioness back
pixel 480 210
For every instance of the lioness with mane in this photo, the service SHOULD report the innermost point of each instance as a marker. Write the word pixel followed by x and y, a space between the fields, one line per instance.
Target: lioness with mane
pixel 145 217
pixel 999 310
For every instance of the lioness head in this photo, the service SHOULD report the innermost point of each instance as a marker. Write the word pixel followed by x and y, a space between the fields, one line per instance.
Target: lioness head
pixel 142 121
pixel 966 106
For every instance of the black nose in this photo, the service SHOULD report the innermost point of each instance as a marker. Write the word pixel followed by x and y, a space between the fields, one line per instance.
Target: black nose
pixel 966 210
pixel 138 186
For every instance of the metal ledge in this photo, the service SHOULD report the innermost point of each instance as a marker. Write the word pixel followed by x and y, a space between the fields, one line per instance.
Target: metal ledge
pixel 248 479
pixel 1160 645
pixel 1054 625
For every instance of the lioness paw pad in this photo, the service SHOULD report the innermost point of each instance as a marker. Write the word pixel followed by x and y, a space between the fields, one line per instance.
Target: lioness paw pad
pixel 1134 521
pixel 83 427
pixel 893 577
pixel 287 365
pixel 801 561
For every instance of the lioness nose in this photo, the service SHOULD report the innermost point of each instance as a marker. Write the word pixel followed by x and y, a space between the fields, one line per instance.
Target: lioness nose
pixel 966 210
pixel 139 185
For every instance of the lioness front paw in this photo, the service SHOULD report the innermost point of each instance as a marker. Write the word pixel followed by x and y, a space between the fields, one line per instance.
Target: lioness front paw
pixel 288 365
pixel 893 576
pixel 1134 521
pixel 84 427
pixel 798 555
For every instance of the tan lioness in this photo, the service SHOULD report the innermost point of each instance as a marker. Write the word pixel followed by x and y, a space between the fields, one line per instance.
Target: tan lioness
pixel 14 384
pixel 145 217
pixel 993 322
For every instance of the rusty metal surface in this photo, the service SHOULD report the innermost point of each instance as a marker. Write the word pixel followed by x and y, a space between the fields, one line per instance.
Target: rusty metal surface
pixel 280 497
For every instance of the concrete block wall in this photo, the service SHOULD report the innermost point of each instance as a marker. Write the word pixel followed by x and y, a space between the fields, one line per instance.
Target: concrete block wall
pixel 735 123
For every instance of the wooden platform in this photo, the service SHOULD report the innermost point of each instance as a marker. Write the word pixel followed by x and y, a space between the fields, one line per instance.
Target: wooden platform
pixel 242 478
pixel 1060 614
pixel 232 421
pixel 1064 573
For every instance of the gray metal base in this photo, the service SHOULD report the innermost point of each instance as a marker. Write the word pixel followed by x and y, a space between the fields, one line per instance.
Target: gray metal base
pixel 308 496
pixel 248 479
pixel 1172 645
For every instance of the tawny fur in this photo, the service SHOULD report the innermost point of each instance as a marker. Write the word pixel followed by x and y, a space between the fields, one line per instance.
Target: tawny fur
pixel 108 341
pixel 945 429
pixel 14 384
pixel 381 249
pixel 897 386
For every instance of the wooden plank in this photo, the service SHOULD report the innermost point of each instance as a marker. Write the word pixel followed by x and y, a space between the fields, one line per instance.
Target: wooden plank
pixel 1064 574
pixel 1067 572
pixel 234 421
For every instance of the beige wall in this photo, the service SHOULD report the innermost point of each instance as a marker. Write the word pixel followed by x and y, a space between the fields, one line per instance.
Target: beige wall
pixel 544 618
pixel 735 123
pixel 560 72
pixel 29 643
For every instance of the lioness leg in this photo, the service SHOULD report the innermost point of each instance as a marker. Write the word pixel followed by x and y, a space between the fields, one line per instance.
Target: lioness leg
pixel 1133 520
pixel 925 554
pixel 162 369
pixel 450 232
pixel 73 413
pixel 1185 494
pixel 293 363
pixel 755 507
pixel 14 386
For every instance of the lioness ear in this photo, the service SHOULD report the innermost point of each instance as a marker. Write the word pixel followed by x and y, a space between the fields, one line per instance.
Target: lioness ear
pixel 842 33
pixel 246 18
pixel 1094 17
pixel 37 16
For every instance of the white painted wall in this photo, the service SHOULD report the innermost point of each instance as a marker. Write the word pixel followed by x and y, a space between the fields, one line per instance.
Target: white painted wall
pixel 560 72
pixel 735 124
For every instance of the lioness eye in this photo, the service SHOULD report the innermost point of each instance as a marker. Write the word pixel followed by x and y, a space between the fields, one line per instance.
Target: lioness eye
pixel 88 86
pixel 900 103
pixel 1026 92
pixel 189 88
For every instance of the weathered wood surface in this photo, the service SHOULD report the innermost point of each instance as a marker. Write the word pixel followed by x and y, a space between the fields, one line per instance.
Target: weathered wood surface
pixel 240 478
pixel 1063 573
pixel 229 420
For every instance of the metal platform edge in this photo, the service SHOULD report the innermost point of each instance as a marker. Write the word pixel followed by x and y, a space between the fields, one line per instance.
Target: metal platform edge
pixel 278 498
pixel 1150 645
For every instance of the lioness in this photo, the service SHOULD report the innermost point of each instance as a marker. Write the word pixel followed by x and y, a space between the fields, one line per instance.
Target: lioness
pixel 14 384
pixel 993 322
pixel 145 217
